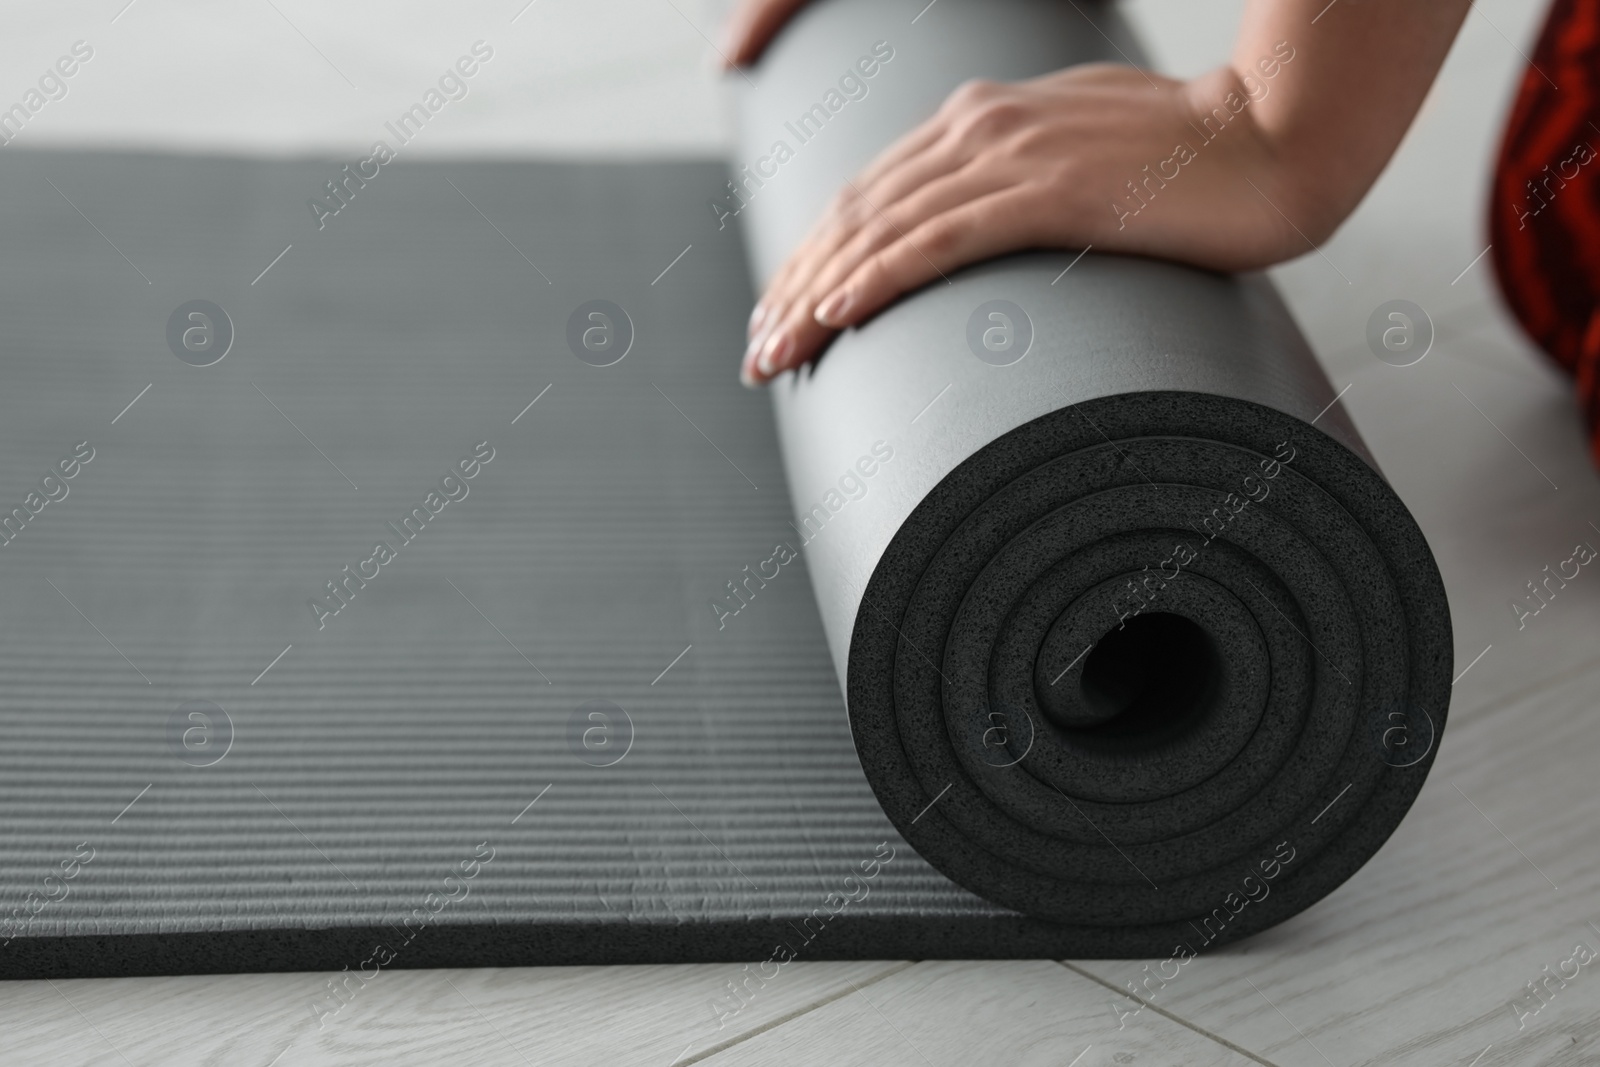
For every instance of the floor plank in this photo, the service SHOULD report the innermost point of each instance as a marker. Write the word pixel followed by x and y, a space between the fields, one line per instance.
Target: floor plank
pixel 619 1016
pixel 1022 1014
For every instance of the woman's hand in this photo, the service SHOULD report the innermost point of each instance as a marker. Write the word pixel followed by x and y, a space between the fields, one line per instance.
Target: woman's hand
pixel 1100 155
pixel 1244 167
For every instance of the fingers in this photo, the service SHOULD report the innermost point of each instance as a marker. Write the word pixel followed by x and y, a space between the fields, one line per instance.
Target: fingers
pixel 969 228
pixel 912 144
pixel 751 28
pixel 894 223
pixel 784 329
pixel 1000 222
pixel 935 149
pixel 860 205
pixel 849 203
pixel 796 339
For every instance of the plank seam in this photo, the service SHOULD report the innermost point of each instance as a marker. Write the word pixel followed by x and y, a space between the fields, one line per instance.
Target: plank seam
pixel 1202 1031
pixel 784 1020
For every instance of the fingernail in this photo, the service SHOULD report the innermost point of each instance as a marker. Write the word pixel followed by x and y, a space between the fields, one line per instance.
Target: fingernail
pixel 747 365
pixel 831 311
pixel 775 353
pixel 757 316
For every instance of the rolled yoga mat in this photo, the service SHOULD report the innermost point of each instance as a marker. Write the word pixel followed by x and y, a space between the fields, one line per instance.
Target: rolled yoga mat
pixel 1136 638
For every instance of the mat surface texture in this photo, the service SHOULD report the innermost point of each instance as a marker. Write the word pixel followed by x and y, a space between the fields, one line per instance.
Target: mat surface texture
pixel 331 813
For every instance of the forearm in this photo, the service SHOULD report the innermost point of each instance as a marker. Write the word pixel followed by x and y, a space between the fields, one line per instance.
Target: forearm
pixel 1334 114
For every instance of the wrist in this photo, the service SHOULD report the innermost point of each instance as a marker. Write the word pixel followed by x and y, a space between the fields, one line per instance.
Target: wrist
pixel 1233 110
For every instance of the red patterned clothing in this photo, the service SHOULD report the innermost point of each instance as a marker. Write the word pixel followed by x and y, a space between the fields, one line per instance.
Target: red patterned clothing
pixel 1544 215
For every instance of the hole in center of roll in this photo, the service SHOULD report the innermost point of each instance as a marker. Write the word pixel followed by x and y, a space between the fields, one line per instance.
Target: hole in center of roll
pixel 1149 679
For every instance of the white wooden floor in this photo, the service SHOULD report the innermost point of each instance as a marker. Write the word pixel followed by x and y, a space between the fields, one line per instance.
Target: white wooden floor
pixel 1419 959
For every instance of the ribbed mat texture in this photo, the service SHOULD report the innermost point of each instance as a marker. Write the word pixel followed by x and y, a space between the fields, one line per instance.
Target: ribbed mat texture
pixel 340 798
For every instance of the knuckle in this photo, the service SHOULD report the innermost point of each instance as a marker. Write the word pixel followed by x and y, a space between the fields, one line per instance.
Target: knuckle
pixel 1033 140
pixel 859 215
pixel 881 243
pixel 1064 173
pixel 862 247
pixel 938 239
pixel 971 92
pixel 1002 110
pixel 844 200
pixel 876 275
pixel 878 231
pixel 993 117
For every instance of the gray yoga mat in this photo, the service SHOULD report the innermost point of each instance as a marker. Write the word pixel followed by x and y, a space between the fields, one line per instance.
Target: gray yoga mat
pixel 1135 638
pixel 537 731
